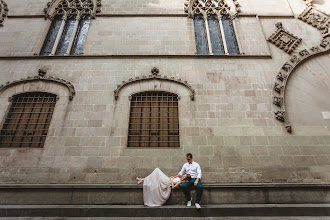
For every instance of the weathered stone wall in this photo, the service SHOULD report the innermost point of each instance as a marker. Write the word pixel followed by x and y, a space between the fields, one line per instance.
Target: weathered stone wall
pixel 230 127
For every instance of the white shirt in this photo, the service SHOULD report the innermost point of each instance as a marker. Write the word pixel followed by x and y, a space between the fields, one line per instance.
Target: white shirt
pixel 193 169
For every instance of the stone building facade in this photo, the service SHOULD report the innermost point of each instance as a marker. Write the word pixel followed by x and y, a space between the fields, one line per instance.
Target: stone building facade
pixel 260 116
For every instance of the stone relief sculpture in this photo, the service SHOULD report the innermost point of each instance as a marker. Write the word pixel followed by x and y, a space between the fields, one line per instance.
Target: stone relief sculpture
pixel 42 77
pixel 205 7
pixel 155 76
pixel 283 39
pixel 285 72
pixel 316 18
pixel 3 12
pixel 77 7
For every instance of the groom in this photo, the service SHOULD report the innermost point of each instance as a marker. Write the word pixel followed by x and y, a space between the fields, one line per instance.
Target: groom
pixel 194 170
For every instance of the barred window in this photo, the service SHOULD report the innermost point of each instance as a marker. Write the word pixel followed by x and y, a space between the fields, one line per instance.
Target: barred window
pixel 154 120
pixel 28 119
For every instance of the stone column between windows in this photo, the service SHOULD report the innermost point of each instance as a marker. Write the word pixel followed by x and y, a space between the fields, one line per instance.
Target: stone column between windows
pixel 237 38
pixel 59 35
pixel 223 35
pixel 208 34
pixel 73 35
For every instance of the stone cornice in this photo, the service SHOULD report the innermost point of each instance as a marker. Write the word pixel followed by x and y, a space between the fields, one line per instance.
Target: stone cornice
pixel 137 56
pixel 42 77
pixel 154 76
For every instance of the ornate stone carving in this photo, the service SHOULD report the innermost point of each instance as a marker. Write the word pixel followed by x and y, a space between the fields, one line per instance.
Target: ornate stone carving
pixel 316 18
pixel 278 101
pixel 207 7
pixel 3 12
pixel 77 7
pixel 278 88
pixel 280 115
pixel 283 39
pixel 281 76
pixel 154 76
pixel 285 72
pixel 42 77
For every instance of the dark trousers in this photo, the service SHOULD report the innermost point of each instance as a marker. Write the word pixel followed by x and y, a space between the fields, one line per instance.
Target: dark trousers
pixel 186 190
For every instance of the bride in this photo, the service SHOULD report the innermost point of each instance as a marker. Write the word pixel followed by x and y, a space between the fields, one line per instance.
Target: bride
pixel 157 187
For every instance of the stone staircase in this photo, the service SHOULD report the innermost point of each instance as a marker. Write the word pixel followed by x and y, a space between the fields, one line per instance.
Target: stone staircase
pixel 219 200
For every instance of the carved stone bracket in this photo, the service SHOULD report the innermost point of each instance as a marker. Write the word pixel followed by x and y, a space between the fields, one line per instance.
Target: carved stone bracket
pixel 284 74
pixel 283 39
pixel 316 18
pixel 42 77
pixel 208 7
pixel 3 12
pixel 78 7
pixel 154 76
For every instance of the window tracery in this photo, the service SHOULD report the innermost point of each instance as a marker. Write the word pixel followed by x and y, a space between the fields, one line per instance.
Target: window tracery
pixel 3 12
pixel 69 27
pixel 214 27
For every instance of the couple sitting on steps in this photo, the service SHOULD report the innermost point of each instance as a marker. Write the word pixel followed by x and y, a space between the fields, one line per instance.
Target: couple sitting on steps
pixel 157 186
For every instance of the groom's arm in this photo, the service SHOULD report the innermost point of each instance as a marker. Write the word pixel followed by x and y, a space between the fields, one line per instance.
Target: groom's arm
pixel 199 175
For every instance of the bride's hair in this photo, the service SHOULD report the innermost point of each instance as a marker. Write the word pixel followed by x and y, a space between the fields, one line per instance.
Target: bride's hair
pixel 188 178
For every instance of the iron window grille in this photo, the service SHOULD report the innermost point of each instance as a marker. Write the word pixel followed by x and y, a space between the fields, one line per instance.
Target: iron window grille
pixel 28 119
pixel 154 120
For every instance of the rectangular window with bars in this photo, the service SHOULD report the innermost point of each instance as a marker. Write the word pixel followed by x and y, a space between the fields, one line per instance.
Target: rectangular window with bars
pixel 28 119
pixel 154 120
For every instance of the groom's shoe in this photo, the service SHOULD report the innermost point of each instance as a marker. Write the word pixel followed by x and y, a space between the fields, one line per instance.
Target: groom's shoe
pixel 198 206
pixel 189 203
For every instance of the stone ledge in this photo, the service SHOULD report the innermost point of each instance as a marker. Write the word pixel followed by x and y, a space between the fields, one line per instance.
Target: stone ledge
pixel 136 56
pixel 135 186
pixel 165 211
pixel 126 194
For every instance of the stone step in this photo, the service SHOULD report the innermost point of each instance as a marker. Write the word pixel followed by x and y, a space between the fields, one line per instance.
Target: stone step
pixel 237 210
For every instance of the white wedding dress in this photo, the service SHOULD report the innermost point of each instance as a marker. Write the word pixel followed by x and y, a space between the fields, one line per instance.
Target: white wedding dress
pixel 156 188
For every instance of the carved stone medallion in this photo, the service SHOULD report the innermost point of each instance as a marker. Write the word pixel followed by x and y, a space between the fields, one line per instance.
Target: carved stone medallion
pixel 283 39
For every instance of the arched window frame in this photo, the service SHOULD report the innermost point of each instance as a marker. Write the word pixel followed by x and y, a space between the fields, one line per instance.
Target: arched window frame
pixel 152 83
pixel 209 10
pixel 60 15
pixel 63 90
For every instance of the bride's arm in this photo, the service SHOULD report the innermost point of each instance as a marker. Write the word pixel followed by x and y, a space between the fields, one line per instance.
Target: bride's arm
pixel 176 185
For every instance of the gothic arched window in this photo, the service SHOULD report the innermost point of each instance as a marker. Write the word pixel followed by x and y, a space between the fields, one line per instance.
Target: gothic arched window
pixel 69 27
pixel 214 28
pixel 154 120
pixel 28 119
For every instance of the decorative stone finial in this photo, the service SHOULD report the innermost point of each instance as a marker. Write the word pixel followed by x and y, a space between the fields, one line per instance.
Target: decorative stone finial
pixel 279 25
pixel 42 72
pixel 155 71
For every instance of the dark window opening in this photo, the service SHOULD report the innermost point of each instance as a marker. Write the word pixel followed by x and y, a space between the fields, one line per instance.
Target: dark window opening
pixel 154 120
pixel 28 120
